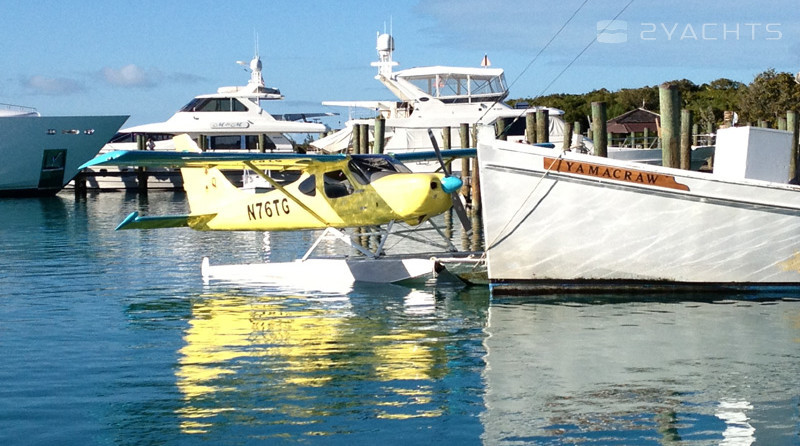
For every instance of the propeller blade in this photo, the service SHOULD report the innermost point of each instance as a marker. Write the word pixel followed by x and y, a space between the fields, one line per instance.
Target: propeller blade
pixel 458 206
pixel 438 153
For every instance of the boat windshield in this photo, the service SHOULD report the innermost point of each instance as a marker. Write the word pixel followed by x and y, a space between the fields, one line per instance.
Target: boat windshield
pixel 459 87
pixel 214 105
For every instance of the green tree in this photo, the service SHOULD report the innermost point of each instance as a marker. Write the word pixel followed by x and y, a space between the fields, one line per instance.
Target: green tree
pixel 769 96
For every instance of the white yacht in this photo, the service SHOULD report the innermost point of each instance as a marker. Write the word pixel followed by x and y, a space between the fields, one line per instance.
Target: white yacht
pixel 40 154
pixel 436 97
pixel 231 119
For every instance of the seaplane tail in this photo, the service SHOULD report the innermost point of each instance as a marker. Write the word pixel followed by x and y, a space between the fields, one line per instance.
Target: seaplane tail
pixel 207 187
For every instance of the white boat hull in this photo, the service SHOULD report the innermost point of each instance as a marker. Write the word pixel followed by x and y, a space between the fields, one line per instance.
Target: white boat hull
pixel 39 155
pixel 588 222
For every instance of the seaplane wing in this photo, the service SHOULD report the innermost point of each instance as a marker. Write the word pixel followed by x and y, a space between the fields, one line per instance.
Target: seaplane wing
pixel 424 155
pixel 221 160
pixel 297 191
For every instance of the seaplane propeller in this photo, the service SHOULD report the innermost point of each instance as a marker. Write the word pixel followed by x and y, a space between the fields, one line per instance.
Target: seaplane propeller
pixel 452 184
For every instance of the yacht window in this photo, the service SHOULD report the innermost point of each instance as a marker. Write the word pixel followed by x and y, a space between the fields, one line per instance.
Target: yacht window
pixel 226 142
pixel 214 105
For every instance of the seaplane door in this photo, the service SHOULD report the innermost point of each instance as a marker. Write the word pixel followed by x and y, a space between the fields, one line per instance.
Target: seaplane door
pixel 345 194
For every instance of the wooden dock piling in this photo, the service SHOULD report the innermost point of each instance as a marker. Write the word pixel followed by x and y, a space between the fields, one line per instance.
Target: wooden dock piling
pixel 141 172
pixel 686 139
pixel 500 129
pixel 356 139
pixel 599 132
pixel 567 142
pixel 363 138
pixel 463 132
pixel 670 102
pixel 793 126
pixel 530 127
pixel 380 134
pixel 542 126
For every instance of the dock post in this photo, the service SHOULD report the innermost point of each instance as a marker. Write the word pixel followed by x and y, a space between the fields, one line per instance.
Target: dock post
pixel 380 133
pixel 670 102
pixel 463 132
pixel 475 184
pixel 567 142
pixel 542 126
pixel 364 138
pixel 599 129
pixel 793 126
pixel 695 134
pixel 355 138
pixel 447 144
pixel 500 129
pixel 646 138
pixel 686 139
pixel 80 184
pixel 262 141
pixel 782 123
pixel 141 172
pixel 530 127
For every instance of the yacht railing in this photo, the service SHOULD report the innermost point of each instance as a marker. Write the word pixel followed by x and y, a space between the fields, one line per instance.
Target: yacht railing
pixel 16 109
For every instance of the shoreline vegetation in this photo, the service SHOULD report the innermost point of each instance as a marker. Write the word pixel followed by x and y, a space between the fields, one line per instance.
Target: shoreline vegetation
pixel 761 102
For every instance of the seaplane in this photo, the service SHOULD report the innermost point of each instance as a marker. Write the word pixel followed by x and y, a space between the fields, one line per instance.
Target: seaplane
pixel 300 192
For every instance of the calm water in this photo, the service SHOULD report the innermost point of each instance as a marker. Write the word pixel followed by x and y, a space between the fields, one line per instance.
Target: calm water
pixel 112 338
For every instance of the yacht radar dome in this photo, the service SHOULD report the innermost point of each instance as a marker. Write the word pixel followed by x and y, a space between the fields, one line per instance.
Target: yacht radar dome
pixel 385 47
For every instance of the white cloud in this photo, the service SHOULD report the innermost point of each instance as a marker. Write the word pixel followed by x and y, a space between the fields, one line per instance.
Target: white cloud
pixel 52 86
pixel 131 75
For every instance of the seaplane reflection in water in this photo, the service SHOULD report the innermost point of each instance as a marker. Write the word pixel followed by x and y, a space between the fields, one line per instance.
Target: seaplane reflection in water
pixel 240 341
pixel 312 192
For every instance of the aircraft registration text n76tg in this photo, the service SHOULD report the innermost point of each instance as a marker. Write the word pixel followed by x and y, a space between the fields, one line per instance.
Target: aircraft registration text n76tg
pixel 268 209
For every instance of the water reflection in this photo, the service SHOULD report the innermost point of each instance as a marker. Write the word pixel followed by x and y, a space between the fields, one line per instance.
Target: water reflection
pixel 306 362
pixel 662 372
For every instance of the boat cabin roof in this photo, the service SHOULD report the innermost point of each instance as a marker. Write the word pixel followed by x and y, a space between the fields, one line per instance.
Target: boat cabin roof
pixel 457 84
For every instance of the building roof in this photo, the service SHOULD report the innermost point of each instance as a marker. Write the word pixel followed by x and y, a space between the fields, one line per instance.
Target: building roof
pixel 633 121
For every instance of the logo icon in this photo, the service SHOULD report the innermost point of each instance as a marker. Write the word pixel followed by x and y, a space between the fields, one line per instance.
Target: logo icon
pixel 612 31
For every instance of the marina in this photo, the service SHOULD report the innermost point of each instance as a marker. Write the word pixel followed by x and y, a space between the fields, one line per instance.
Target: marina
pixel 594 260
pixel 113 337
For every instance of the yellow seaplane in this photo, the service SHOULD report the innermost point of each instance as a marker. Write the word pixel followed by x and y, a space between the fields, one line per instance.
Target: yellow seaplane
pixel 329 192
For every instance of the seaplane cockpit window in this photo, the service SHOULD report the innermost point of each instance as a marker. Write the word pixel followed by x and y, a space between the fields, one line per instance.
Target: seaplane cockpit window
pixel 369 169
pixel 308 186
pixel 336 184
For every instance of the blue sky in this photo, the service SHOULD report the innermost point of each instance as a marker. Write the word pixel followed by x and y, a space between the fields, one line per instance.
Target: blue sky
pixel 148 58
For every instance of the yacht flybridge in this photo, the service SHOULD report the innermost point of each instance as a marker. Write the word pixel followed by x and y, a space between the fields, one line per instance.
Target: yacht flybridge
pixel 232 118
pixel 435 97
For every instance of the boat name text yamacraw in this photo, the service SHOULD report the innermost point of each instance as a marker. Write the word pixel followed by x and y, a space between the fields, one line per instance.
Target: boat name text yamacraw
pixel 613 173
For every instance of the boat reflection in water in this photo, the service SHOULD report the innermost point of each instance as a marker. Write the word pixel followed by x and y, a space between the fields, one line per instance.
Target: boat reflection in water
pixel 302 366
pixel 661 372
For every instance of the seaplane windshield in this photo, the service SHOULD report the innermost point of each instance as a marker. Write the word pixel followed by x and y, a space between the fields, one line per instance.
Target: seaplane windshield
pixel 458 87
pixel 214 105
pixel 367 169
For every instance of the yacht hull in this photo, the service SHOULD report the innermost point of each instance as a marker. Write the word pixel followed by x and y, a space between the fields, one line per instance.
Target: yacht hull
pixel 39 155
